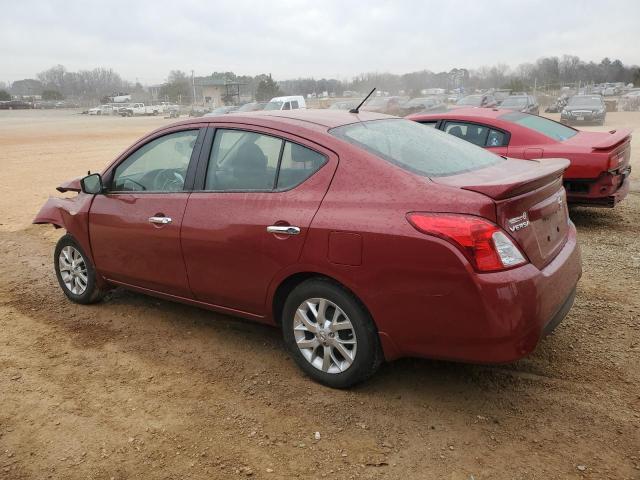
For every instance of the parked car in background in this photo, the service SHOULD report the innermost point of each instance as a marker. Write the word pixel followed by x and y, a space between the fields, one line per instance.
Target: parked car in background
pixel 521 103
pixel 140 109
pixel 331 226
pixel 388 105
pixel 252 107
pixel 101 110
pixel 292 102
pixel 344 105
pixel 198 111
pixel 600 161
pixel 584 109
pixel 15 105
pixel 221 111
pixel 484 101
pixel 424 104
pixel 630 101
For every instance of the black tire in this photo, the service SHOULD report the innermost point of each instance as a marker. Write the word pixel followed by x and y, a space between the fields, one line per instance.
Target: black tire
pixel 91 293
pixel 368 356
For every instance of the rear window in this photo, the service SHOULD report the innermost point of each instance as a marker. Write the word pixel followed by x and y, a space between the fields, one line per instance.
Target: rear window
pixel 416 148
pixel 542 125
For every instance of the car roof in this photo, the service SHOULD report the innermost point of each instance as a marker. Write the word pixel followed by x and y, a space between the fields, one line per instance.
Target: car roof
pixel 301 117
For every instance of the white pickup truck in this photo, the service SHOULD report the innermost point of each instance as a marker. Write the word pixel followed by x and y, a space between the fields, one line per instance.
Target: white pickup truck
pixel 138 109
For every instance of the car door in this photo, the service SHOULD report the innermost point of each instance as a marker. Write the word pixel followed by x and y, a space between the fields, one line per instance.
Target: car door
pixel 259 191
pixel 135 226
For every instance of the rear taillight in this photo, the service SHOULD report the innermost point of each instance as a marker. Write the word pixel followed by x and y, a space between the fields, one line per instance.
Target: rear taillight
pixel 486 246
pixel 614 161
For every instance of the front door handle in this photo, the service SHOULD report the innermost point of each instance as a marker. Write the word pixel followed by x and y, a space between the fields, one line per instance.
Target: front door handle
pixel 160 220
pixel 283 229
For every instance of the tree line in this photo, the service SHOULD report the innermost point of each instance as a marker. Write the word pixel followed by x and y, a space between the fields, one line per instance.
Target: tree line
pixel 548 73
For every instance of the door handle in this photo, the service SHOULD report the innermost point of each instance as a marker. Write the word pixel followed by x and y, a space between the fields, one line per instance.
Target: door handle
pixel 283 229
pixel 160 220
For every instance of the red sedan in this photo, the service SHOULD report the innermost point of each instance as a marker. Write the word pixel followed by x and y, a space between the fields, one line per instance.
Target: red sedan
pixel 364 237
pixel 600 161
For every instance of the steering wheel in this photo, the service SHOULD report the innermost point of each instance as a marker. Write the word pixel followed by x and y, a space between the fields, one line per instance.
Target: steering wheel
pixel 169 181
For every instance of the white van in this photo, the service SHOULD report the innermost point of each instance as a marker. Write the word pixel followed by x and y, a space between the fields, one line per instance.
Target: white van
pixel 292 102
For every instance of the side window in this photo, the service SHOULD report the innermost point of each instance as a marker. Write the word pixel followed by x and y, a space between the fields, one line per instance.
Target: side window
pixel 496 139
pixel 298 163
pixel 294 104
pixel 430 124
pixel 286 106
pixel 242 160
pixel 476 134
pixel 159 166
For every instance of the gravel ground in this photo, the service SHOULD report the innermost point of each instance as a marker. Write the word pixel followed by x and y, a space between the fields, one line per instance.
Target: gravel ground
pixel 136 387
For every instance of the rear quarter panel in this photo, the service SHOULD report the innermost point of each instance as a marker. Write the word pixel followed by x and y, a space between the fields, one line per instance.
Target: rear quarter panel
pixel 407 280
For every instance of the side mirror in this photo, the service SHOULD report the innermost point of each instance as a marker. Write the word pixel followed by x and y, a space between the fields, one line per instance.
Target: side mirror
pixel 92 184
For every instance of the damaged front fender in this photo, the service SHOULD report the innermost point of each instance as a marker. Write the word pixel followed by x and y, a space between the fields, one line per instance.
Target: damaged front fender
pixel 72 214
pixel 64 212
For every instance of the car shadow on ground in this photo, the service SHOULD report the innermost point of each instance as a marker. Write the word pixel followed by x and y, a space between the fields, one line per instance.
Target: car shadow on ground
pixel 233 336
pixel 593 218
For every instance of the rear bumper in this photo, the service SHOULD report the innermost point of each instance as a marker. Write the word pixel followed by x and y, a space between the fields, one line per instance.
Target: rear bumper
pixel 511 312
pixel 605 191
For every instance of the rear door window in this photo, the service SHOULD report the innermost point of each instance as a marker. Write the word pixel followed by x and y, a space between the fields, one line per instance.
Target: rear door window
pixel 476 134
pixel 294 104
pixel 298 163
pixel 496 139
pixel 243 161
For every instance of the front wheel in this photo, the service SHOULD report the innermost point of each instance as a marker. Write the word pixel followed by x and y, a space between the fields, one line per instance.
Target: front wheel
pixel 75 272
pixel 329 334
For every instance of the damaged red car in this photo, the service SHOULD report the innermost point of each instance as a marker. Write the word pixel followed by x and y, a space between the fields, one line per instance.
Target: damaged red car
pixel 363 237
pixel 598 175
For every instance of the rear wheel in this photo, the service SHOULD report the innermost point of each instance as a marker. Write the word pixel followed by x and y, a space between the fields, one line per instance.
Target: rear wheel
pixel 75 272
pixel 329 334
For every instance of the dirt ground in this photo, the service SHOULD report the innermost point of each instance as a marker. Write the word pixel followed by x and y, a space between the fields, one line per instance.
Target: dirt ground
pixel 136 387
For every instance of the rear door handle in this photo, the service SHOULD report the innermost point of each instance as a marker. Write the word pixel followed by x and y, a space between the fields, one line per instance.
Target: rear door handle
pixel 160 220
pixel 283 229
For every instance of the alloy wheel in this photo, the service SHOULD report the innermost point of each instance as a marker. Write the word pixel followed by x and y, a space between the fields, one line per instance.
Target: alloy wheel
pixel 324 335
pixel 73 270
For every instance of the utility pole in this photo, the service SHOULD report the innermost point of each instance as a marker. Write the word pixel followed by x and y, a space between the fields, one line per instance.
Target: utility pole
pixel 193 83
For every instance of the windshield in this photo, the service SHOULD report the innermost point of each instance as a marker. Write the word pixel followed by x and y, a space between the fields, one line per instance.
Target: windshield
pixel 584 101
pixel 416 148
pixel 273 106
pixel 473 100
pixel 549 128
pixel 514 102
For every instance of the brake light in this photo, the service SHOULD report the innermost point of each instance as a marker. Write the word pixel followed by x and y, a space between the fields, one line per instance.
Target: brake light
pixel 614 161
pixel 484 244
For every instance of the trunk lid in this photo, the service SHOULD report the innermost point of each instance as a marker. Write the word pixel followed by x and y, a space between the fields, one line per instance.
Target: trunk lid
pixel 530 201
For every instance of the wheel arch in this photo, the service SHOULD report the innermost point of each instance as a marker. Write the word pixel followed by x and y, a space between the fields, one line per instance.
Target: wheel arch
pixel 286 286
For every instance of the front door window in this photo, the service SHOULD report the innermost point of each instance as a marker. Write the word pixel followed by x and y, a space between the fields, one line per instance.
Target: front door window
pixel 159 166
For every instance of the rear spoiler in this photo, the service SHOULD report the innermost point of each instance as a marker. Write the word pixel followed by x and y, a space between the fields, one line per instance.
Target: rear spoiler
pixel 525 180
pixel 616 137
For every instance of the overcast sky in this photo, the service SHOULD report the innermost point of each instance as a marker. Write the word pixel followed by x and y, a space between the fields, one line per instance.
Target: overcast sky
pixel 144 39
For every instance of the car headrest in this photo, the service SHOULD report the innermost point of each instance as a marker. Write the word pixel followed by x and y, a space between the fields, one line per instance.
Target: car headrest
pixel 456 131
pixel 250 157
